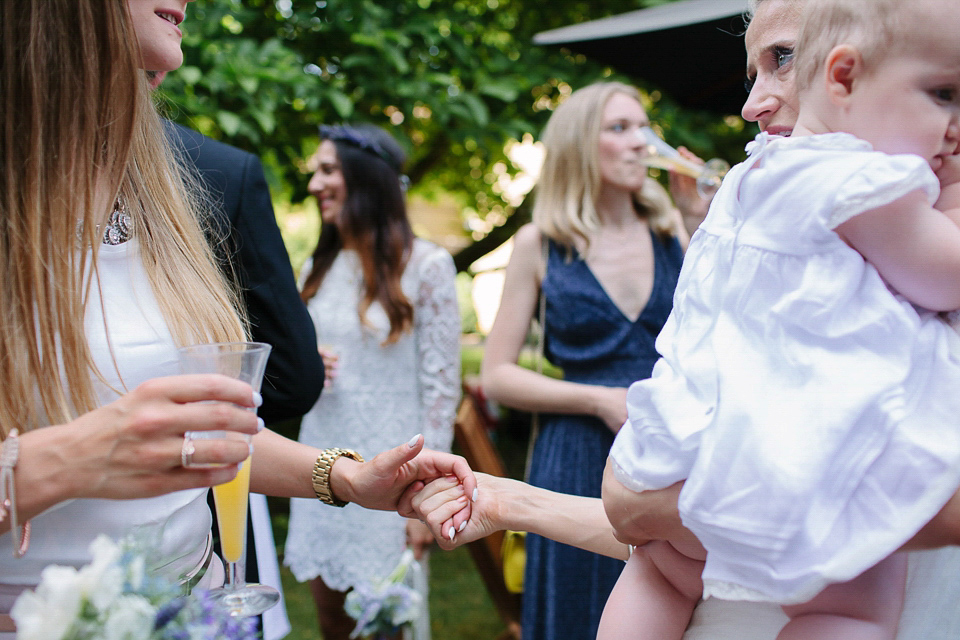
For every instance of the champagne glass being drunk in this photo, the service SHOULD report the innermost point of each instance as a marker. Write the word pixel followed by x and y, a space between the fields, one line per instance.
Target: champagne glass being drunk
pixel 245 361
pixel 661 155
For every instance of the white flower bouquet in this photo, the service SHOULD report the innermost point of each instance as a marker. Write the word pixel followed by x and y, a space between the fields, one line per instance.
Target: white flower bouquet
pixel 385 605
pixel 114 598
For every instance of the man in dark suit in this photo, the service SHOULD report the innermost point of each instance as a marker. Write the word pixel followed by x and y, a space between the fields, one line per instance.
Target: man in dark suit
pixel 254 254
pixel 243 214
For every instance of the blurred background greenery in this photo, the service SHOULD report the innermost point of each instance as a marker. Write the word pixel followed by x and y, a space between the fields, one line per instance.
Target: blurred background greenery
pixel 458 82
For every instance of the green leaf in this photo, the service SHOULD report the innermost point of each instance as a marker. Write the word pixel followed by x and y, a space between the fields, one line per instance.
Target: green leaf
pixel 396 59
pixel 229 122
pixel 265 119
pixel 249 83
pixel 190 74
pixel 341 103
pixel 500 90
pixel 478 110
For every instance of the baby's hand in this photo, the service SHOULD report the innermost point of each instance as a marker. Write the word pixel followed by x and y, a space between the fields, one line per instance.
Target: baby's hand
pixel 949 171
pixel 949 175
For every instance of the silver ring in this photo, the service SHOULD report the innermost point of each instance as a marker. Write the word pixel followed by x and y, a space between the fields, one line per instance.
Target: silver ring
pixel 187 449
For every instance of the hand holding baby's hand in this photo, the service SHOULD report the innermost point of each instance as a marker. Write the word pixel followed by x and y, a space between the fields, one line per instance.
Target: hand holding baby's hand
pixel 693 207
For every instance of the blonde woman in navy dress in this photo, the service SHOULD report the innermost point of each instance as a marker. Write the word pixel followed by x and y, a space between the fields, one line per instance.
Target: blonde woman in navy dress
pixel 615 244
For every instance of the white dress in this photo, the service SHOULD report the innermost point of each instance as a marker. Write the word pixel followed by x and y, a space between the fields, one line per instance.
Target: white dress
pixel 812 410
pixel 177 522
pixel 382 396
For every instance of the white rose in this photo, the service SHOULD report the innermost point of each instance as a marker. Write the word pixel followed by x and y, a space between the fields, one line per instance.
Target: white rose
pixel 29 612
pixel 48 613
pixel 101 581
pixel 136 572
pixel 130 618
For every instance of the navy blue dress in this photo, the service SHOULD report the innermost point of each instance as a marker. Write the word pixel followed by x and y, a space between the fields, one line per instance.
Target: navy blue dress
pixel 594 343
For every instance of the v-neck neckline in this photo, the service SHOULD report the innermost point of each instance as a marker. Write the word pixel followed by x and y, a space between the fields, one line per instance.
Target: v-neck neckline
pixel 609 298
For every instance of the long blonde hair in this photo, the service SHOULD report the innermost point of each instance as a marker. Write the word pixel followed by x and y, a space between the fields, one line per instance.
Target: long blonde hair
pixel 79 129
pixel 564 208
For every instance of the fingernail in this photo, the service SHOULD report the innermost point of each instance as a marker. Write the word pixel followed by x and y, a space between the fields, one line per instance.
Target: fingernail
pixel 257 399
pixel 260 425
pixel 476 493
pixel 463 525
pixel 250 446
pixel 413 441
pixel 451 533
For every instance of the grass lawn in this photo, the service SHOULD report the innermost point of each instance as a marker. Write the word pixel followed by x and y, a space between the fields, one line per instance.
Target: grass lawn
pixel 460 608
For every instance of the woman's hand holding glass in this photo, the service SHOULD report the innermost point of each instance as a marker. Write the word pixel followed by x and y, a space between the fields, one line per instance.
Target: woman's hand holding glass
pixel 131 448
pixel 661 155
pixel 686 196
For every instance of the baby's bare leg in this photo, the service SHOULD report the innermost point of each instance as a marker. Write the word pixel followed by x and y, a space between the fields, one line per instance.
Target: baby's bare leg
pixel 654 596
pixel 865 608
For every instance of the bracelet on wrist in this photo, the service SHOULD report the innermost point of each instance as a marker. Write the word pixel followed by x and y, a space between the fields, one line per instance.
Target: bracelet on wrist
pixel 321 474
pixel 9 455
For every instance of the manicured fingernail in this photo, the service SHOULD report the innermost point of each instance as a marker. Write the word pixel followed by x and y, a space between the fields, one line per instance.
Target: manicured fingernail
pixel 413 441
pixel 260 425
pixel 463 525
pixel 451 533
pixel 250 446
pixel 257 399
pixel 476 493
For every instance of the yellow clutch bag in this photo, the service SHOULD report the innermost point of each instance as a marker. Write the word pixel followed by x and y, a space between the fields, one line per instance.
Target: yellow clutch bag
pixel 513 553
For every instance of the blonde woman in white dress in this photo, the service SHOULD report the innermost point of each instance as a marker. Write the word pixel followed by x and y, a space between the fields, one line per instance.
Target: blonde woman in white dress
pixel 105 273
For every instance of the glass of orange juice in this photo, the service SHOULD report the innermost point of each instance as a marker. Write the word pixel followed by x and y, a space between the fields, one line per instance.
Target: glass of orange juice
pixel 245 361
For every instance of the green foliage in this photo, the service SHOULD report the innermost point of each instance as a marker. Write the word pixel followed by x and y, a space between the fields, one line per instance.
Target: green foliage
pixel 453 80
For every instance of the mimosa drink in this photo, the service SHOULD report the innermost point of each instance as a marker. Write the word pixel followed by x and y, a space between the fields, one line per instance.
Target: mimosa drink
pixel 678 165
pixel 244 361
pixel 231 499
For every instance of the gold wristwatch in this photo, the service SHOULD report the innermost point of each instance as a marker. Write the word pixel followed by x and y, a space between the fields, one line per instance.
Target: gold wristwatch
pixel 321 474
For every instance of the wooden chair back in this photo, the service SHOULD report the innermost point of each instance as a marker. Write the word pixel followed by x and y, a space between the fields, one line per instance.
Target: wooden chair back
pixel 471 433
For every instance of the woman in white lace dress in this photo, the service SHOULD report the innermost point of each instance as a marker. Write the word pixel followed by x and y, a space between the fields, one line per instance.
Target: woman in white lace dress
pixel 385 310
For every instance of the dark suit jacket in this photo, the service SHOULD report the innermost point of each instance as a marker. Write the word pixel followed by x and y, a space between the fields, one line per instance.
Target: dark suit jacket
pixel 244 215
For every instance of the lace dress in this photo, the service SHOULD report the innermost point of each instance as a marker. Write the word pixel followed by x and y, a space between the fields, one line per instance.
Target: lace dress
pixel 382 396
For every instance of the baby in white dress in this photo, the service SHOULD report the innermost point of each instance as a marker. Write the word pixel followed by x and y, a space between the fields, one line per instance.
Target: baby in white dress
pixel 807 391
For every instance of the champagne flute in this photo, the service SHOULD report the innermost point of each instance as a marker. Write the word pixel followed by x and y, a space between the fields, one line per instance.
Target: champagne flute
pixel 245 361
pixel 661 155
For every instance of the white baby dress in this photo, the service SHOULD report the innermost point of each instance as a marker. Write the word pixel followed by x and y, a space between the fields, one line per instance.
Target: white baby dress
pixel 813 411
